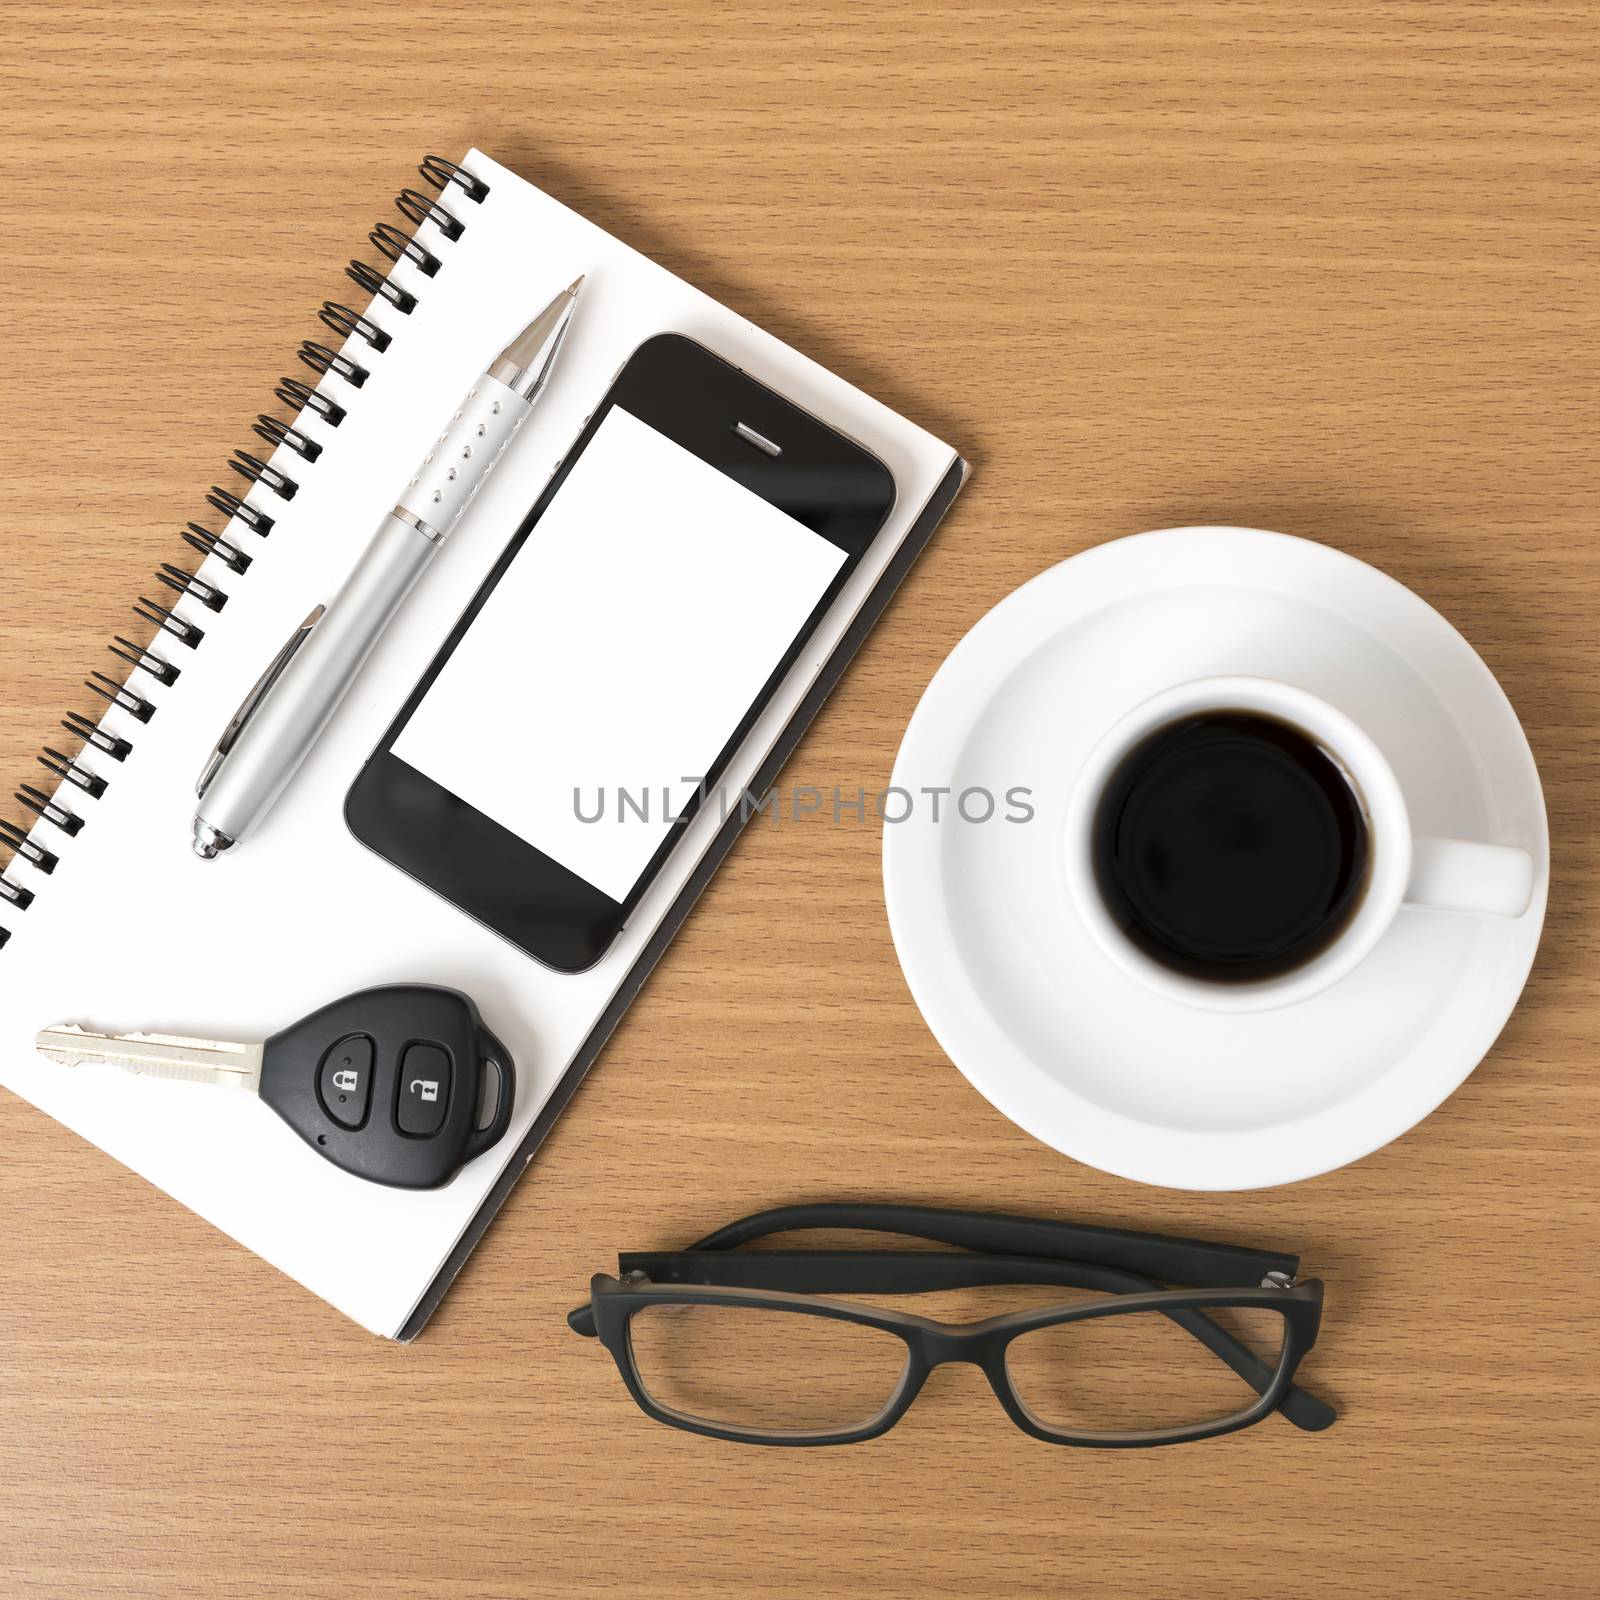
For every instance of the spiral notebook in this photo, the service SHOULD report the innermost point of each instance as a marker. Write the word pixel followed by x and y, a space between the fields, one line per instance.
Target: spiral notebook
pixel 238 948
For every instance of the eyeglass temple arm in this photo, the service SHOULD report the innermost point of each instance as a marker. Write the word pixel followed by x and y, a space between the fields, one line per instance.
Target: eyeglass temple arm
pixel 1195 1262
pixel 916 1272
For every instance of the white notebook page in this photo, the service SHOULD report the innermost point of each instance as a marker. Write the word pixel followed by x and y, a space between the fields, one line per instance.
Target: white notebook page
pixel 133 931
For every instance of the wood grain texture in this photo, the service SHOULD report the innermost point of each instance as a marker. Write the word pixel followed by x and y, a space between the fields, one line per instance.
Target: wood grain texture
pixel 1327 269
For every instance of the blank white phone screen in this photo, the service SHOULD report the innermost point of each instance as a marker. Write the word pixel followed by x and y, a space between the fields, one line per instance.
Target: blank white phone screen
pixel 622 647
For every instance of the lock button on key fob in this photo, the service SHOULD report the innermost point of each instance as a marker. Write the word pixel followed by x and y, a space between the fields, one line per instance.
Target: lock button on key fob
pixel 344 1080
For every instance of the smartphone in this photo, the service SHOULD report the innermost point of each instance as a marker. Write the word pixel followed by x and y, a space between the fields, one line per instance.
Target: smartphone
pixel 596 687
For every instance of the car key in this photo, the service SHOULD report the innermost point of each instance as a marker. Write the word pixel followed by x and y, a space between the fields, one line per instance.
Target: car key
pixel 388 1084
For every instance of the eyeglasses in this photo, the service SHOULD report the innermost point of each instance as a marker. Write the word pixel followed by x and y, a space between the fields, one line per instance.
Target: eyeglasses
pixel 748 1345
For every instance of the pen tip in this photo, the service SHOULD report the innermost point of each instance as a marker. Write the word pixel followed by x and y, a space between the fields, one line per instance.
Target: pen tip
pixel 576 284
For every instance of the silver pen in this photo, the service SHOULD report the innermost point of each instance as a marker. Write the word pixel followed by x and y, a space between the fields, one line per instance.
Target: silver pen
pixel 274 729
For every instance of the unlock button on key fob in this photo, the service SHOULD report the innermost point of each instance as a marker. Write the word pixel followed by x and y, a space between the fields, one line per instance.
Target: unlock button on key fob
pixel 345 1080
pixel 424 1090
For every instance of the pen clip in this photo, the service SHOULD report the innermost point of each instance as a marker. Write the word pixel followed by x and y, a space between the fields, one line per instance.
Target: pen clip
pixel 252 701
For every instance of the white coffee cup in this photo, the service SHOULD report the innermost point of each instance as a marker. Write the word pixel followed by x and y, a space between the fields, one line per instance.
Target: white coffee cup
pixel 1454 875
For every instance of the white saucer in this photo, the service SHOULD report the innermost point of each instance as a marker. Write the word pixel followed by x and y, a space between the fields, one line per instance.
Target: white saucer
pixel 1059 1038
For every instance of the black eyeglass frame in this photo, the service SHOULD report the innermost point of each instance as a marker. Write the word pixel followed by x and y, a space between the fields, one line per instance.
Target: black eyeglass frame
pixel 1131 1268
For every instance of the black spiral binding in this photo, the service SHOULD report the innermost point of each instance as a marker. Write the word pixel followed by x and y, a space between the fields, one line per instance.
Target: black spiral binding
pixel 254 470
pixel 441 174
pixel 352 324
pixel 95 737
pixel 53 812
pixel 199 537
pixel 400 246
pixel 322 361
pixel 35 854
pixel 181 582
pixel 168 620
pixel 277 432
pixel 308 403
pixel 418 208
pixel 121 696
pixel 374 282
pixel 136 655
pixel 300 396
pixel 231 506
pixel 69 771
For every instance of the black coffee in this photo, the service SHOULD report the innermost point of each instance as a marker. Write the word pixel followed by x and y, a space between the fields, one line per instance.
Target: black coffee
pixel 1230 846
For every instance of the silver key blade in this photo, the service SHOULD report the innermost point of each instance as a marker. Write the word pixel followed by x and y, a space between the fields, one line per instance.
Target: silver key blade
pixel 161 1055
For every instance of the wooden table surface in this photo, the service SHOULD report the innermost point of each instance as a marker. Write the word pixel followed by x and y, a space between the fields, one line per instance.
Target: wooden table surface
pixel 1327 269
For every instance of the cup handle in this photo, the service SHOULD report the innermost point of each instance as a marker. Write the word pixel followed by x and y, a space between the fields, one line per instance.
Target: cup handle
pixel 1458 875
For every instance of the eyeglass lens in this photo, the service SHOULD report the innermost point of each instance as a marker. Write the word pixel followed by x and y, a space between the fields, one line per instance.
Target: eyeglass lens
pixel 762 1371
pixel 1137 1370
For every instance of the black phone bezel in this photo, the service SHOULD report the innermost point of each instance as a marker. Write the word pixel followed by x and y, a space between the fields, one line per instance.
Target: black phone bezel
pixel 830 484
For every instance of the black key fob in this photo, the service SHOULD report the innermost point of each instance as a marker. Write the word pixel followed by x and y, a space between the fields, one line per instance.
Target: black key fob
pixel 389 1084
